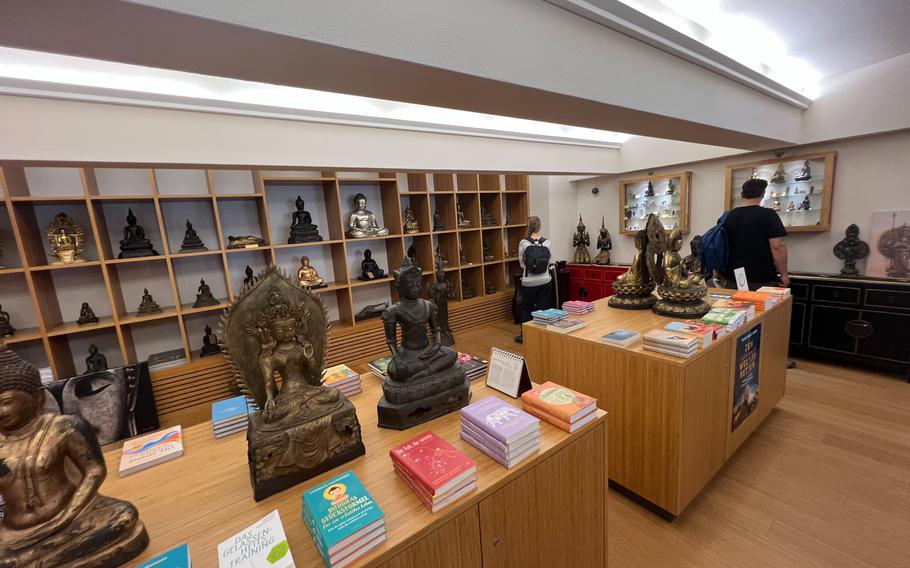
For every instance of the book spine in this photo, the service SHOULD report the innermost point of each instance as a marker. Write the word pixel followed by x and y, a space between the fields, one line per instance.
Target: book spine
pixel 545 416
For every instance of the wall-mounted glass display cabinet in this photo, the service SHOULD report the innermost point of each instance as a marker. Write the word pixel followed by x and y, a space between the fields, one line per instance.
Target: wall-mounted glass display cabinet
pixel 667 196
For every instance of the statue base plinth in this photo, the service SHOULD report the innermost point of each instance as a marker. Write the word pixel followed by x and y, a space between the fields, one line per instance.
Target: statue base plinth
pixel 423 401
pixel 137 253
pixel 314 286
pixel 688 303
pixel 282 458
pixel 297 239
pixel 632 296
pixel 203 301
pixel 199 248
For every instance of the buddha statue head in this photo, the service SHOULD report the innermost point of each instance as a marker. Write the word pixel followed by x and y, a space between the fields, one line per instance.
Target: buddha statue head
pixel 360 202
pixel 21 391
pixel 282 320
pixel 407 278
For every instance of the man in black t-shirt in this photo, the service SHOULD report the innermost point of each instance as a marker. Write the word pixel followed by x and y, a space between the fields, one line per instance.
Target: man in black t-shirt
pixel 755 241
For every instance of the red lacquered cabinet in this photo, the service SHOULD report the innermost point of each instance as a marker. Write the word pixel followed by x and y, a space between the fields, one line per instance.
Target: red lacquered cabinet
pixel 591 282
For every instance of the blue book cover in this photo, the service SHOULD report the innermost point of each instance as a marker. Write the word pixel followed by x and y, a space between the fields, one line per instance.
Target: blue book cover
pixel 337 511
pixel 176 558
pixel 230 408
pixel 620 335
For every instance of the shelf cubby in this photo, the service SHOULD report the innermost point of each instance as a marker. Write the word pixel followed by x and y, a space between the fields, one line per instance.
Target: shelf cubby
pixel 489 182
pixel 228 183
pixel 513 237
pixel 494 273
pixel 71 350
pixel 515 207
pixel 9 249
pixel 128 280
pixel 474 277
pixel 257 259
pixel 445 205
pixel 187 275
pixel 120 183
pixel 388 254
pixel 492 202
pixel 414 183
pixel 32 220
pixel 243 216
pixel 472 247
pixel 328 260
pixel 493 239
pixel 448 245
pixel 420 205
pixel 16 300
pixel 111 219
pixel 194 326
pixel 144 338
pixel 382 199
pixel 44 183
pixel 180 183
pixel 321 200
pixel 471 207
pixel 423 246
pixel 61 294
pixel 200 213
pixel 467 182
pixel 443 183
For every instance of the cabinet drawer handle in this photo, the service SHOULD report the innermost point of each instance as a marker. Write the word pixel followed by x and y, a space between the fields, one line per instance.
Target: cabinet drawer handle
pixel 860 329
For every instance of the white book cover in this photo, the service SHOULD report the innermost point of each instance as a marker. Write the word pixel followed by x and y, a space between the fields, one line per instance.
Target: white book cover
pixel 263 545
pixel 151 449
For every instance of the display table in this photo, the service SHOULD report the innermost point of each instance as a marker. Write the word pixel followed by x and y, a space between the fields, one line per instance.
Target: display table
pixel 670 418
pixel 549 510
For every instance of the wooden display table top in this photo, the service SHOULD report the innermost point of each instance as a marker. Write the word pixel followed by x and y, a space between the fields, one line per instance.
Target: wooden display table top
pixel 205 497
pixel 605 319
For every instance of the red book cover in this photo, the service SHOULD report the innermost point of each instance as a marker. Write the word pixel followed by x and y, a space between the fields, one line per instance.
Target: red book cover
pixel 432 461
pixel 558 401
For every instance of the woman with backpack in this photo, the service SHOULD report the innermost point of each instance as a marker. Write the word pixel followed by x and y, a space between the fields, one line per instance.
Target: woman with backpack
pixel 534 258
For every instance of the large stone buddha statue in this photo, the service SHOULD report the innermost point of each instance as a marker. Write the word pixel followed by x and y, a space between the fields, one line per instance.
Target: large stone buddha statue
pixel 51 468
pixel 363 223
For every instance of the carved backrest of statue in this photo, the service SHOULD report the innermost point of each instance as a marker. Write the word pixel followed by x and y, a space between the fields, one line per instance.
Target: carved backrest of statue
pixel 276 326
pixel 656 245
pixel 672 261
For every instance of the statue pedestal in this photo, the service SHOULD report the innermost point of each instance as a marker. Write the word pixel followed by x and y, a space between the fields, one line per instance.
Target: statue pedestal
pixel 280 458
pixel 686 303
pixel 632 296
pixel 404 405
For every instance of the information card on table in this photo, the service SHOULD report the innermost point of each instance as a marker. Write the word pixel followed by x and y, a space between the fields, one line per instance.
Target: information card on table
pixel 508 373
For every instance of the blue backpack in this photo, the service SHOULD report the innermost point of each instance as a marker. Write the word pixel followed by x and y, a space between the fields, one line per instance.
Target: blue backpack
pixel 713 250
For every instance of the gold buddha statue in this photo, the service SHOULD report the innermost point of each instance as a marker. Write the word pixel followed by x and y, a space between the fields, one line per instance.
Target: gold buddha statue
pixel 307 275
pixel 51 468
pixel 67 240
pixel 681 285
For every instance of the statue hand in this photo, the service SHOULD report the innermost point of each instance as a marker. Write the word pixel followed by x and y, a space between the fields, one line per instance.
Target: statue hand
pixel 269 408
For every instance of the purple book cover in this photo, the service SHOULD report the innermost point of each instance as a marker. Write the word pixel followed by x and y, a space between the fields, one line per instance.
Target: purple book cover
pixel 498 418
pixel 505 452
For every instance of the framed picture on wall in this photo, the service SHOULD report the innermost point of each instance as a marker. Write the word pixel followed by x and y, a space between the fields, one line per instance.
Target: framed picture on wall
pixel 889 254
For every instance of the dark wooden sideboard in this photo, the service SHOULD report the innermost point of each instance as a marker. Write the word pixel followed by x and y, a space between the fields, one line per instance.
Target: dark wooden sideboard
pixel 864 321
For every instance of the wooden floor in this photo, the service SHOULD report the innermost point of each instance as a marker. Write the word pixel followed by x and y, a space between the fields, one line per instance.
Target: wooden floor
pixel 825 481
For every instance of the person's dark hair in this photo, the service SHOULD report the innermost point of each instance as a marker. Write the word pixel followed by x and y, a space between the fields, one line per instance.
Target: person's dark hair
pixel 754 188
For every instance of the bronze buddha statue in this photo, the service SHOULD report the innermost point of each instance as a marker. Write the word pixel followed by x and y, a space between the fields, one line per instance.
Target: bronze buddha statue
pixel 604 243
pixel 51 468
pixel 134 244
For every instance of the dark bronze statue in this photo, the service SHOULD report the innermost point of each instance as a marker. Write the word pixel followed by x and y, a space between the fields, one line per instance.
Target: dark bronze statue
pixel 581 241
pixel 86 315
pixel 804 173
pixel 204 296
pixel 51 468
pixel 439 293
pixel 209 343
pixel 486 218
pixel 369 270
pixel 245 242
pixel 303 428
pixel 437 221
pixel 850 249
pixel 371 311
pixel 467 291
pixel 487 253
pixel 134 244
pixel 6 328
pixel 191 241
pixel 302 228
pixel 423 381
pixel 95 361
pixel 411 225
pixel 148 305
pixel 604 243
pixel 250 279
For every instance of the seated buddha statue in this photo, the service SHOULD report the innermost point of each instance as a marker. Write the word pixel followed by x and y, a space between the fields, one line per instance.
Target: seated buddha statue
pixel 134 244
pixel 423 380
pixel 369 269
pixel 363 223
pixel 51 468
pixel 302 228
pixel 191 241
pixel 307 275
pixel 411 225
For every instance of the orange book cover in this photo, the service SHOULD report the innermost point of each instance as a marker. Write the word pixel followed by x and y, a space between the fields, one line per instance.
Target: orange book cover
pixel 761 300
pixel 558 401
pixel 561 424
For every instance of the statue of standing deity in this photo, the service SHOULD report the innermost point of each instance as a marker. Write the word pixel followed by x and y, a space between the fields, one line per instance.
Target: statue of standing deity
pixel 604 243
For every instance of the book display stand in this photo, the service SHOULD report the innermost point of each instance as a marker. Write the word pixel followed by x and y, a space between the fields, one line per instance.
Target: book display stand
pixel 508 373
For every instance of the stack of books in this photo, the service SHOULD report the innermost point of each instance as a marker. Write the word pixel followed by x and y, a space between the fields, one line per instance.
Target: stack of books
pixel 344 520
pixel 621 337
pixel 262 544
pixel 437 472
pixel 152 449
pixel 549 316
pixel 707 333
pixel 498 429
pixel 578 307
pixel 174 558
pixel 342 378
pixel 230 416
pixel 166 359
pixel 566 325
pixel 731 318
pixel 474 366
pixel 748 307
pixel 779 293
pixel 761 300
pixel 670 343
pixel 560 406
pixel 380 366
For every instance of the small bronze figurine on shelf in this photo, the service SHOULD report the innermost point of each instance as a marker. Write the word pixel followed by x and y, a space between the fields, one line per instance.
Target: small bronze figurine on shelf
pixel 487 253
pixel 489 287
pixel 754 174
pixel 362 222
pixel 649 191
pixel 412 254
pixel 51 468
pixel 303 427
pixel 411 225
pixel 792 207
pixel 191 241
pixel 804 173
pixel 95 362
pixel 486 218
pixel 245 242
pixel 371 311
pixel 581 241
pixel 134 244
pixel 682 294
pixel 204 296
pixel 439 293
pixel 302 228
pixel 86 315
pixel 423 380
pixel 850 249
pixel 775 205
pixel 604 243
pixel 369 270
pixel 67 240
pixel 460 216
pixel 462 259
pixel 307 275
pixel 437 221
pixel 6 327
pixel 467 291
pixel 250 278
pixel 209 343
pixel 806 204
pixel 148 305
pixel 440 259
pixel 779 175
pixel 633 290
pixel 671 188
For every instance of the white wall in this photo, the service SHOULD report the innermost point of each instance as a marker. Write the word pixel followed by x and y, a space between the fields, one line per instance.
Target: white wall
pixel 871 174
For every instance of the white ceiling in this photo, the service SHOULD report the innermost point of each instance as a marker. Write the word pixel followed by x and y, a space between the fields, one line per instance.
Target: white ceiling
pixel 833 36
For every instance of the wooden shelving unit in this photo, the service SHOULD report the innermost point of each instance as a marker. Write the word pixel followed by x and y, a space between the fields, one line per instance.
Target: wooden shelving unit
pixel 44 299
